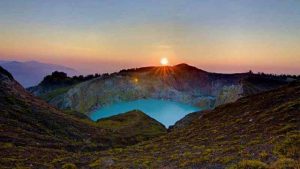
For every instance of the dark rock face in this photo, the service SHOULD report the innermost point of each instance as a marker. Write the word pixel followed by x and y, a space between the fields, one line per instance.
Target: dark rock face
pixel 5 74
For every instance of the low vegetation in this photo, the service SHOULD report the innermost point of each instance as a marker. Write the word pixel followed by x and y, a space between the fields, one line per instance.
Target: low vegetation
pixel 35 134
pixel 259 131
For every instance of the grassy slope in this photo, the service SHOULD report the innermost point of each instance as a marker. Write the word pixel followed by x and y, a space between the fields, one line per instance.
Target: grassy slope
pixel 35 134
pixel 263 128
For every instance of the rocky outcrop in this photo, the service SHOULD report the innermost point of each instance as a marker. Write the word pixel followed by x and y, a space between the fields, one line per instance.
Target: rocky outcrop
pixel 229 94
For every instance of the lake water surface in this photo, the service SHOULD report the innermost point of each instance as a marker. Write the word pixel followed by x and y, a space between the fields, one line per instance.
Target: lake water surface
pixel 164 111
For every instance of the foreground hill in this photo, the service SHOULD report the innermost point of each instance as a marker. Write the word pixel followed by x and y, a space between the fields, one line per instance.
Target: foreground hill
pixel 181 83
pixel 34 133
pixel 260 131
pixel 32 73
pixel 133 124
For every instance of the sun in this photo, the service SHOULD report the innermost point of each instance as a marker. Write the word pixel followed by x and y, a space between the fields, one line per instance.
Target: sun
pixel 164 61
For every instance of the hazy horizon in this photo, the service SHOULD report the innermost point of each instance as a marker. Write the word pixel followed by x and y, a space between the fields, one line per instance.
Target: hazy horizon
pixel 117 69
pixel 106 36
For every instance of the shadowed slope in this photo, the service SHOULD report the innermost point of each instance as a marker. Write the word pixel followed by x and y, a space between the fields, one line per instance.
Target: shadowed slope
pixel 134 124
pixel 27 120
pixel 34 133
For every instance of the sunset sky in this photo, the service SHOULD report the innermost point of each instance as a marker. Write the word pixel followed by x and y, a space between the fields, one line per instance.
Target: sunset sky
pixel 108 35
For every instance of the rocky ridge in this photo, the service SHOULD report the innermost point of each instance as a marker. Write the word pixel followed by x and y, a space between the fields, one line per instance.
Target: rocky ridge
pixel 181 83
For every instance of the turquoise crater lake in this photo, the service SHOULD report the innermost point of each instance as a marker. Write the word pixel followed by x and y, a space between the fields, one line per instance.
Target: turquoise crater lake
pixel 164 111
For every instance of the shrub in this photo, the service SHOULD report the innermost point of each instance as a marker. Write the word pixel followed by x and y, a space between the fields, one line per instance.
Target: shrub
pixel 285 163
pixel 96 163
pixel 69 166
pixel 7 145
pixel 187 154
pixel 263 155
pixel 226 159
pixel 249 164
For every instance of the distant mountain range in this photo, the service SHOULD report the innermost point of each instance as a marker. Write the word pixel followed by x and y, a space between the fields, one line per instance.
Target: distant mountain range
pixel 31 73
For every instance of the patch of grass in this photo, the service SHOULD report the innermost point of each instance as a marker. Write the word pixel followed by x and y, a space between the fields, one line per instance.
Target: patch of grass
pixel 285 163
pixel 290 146
pixel 286 128
pixel 225 160
pixel 69 166
pixel 263 155
pixel 7 145
pixel 96 164
pixel 249 164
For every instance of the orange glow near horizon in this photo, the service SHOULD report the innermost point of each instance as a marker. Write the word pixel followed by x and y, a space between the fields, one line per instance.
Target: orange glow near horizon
pixel 83 51
pixel 92 40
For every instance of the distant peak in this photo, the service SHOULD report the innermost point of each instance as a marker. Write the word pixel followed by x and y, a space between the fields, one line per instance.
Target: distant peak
pixel 187 66
pixel 183 65
pixel 14 62
pixel 32 61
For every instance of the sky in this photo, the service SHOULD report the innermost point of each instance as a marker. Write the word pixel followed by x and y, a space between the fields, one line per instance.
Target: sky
pixel 109 35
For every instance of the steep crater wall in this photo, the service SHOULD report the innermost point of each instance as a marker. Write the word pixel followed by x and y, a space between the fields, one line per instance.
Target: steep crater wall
pixel 181 83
